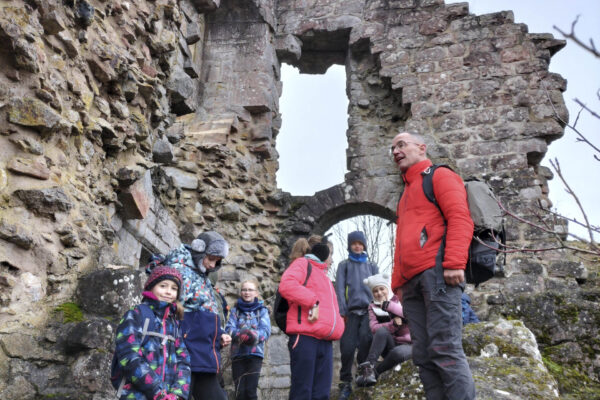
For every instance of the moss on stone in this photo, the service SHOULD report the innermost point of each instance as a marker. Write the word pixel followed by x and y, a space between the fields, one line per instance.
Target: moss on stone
pixel 572 383
pixel 70 312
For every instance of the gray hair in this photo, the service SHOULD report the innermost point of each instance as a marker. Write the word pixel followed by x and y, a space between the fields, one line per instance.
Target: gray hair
pixel 417 136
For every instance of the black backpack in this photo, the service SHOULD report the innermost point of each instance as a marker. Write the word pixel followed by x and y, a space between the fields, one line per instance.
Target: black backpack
pixel 281 305
pixel 489 229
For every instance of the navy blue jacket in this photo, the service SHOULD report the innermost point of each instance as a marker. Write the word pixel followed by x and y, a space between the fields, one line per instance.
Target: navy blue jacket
pixel 202 334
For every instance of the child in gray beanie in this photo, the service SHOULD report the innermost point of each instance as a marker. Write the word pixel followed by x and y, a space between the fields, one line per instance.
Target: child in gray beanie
pixel 205 311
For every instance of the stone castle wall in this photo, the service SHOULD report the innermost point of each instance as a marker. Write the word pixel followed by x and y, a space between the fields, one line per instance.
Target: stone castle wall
pixel 127 128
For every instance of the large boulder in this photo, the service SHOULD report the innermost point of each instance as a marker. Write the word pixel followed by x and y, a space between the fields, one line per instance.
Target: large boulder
pixel 504 361
pixel 110 292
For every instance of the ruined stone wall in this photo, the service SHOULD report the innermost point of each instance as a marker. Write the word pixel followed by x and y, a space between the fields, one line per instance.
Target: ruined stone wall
pixel 127 128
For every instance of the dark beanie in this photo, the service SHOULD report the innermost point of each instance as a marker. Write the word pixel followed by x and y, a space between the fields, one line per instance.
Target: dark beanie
pixel 161 273
pixel 321 250
pixel 357 236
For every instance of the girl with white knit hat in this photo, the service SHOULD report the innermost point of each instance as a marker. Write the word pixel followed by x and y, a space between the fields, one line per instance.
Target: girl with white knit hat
pixel 391 337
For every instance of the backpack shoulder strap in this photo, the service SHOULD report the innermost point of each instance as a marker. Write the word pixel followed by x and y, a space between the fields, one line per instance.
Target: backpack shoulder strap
pixel 428 183
pixel 150 328
pixel 308 271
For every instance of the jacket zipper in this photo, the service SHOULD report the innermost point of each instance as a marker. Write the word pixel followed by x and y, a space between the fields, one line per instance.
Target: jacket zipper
pixel 214 341
pixel 334 313
pixel 164 347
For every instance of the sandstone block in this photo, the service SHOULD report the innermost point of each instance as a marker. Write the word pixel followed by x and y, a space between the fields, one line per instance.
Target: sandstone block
pixel 162 151
pixel 31 112
pixel 181 88
pixel 52 22
pixel 288 47
pixel 27 347
pixel 107 292
pixel 203 6
pixel 230 211
pixel 33 168
pixel 568 269
pixel 45 202
pixel 102 70
pixel 95 333
pixel 182 179
pixel 12 233
pixel 70 45
pixel 89 371
pixel 137 198
pixel 509 162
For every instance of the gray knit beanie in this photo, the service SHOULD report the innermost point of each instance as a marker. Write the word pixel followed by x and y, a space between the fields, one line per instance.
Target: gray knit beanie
pixel 211 243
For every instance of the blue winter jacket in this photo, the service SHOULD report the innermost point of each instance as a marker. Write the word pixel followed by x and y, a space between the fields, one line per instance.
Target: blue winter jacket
pixel 353 295
pixel 150 368
pixel 256 320
pixel 205 312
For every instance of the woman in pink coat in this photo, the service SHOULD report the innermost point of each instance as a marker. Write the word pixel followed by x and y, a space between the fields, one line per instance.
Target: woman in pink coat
pixel 313 321
pixel 391 337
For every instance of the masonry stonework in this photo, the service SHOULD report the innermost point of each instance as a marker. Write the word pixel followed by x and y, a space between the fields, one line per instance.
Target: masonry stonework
pixel 129 129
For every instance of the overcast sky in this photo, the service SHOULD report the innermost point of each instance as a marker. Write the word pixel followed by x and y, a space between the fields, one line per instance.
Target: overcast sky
pixel 312 142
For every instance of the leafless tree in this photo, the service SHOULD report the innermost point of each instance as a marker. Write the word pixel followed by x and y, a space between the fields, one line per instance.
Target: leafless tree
pixel 380 240
pixel 547 220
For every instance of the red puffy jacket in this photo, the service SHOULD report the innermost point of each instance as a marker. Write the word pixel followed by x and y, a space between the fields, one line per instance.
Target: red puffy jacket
pixel 329 325
pixel 420 225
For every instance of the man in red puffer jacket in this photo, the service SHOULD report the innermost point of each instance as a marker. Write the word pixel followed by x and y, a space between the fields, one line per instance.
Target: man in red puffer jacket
pixel 429 262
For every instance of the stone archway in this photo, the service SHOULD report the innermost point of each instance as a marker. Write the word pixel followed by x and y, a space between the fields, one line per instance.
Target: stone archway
pixel 317 213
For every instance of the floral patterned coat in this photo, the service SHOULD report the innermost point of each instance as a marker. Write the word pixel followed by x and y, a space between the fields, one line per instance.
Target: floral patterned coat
pixel 148 367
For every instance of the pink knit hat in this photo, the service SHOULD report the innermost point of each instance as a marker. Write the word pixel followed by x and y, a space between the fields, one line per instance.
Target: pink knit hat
pixel 161 273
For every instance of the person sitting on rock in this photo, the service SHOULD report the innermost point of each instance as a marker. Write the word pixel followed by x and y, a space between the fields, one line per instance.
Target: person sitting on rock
pixel 391 337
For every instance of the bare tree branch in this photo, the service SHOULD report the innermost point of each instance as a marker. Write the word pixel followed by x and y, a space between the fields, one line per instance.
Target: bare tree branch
pixel 596 229
pixel 587 109
pixel 591 48
pixel 556 165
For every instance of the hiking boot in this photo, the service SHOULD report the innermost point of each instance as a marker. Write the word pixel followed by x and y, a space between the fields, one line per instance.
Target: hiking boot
pixel 360 375
pixel 345 390
pixel 367 375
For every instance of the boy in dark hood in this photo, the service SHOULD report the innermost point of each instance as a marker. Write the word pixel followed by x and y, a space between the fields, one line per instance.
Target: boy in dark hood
pixel 354 298
pixel 205 313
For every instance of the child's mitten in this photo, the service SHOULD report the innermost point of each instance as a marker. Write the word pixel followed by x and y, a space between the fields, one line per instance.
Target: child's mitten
pixel 248 337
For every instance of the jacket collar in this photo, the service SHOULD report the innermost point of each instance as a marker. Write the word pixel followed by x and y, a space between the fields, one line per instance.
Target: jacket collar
pixel 313 260
pixel 415 170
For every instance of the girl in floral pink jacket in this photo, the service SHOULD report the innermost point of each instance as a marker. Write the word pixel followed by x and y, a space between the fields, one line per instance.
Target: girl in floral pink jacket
pixel 391 337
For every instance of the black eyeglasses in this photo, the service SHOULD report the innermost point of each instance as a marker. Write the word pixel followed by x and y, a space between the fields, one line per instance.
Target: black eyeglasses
pixel 401 145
